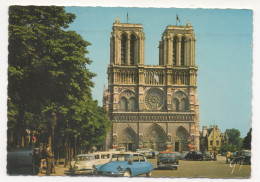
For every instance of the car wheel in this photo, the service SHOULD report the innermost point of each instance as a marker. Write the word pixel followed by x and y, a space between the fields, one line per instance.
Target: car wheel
pixel 127 173
pixel 149 174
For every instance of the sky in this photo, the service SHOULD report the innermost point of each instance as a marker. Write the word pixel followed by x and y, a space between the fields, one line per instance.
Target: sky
pixel 223 54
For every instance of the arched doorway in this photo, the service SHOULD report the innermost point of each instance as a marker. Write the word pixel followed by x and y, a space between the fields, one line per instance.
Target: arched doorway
pixel 128 139
pixel 181 144
pixel 155 138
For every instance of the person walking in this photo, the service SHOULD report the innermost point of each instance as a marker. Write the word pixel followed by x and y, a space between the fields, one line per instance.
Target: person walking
pixel 215 155
pixel 228 156
pixel 49 157
pixel 37 160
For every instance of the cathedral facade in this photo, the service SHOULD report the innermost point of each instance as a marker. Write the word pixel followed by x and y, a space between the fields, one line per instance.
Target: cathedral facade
pixel 152 106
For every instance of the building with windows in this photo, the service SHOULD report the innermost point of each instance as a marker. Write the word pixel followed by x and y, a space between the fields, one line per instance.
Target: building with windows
pixel 212 139
pixel 152 106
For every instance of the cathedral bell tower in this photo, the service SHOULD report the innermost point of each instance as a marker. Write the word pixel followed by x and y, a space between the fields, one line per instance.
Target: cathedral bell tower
pixel 127 44
pixel 177 47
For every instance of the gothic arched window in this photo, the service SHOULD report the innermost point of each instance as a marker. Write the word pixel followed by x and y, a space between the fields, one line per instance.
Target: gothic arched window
pixel 132 49
pixel 132 104
pixel 175 104
pixel 184 104
pixel 123 104
pixel 174 50
pixel 182 50
pixel 123 49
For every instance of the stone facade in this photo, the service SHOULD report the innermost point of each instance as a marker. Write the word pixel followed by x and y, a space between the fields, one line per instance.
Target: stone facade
pixel 152 106
pixel 212 139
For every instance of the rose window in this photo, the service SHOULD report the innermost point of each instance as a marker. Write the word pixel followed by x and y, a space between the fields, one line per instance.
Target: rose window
pixel 154 100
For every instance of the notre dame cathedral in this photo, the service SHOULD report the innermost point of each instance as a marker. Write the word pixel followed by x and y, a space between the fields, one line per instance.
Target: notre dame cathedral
pixel 152 106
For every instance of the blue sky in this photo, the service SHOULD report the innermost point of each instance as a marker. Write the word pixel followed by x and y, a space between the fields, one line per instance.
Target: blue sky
pixel 223 54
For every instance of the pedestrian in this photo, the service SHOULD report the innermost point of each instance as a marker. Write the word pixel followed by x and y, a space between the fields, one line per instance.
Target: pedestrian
pixel 215 155
pixel 228 156
pixel 37 160
pixel 49 157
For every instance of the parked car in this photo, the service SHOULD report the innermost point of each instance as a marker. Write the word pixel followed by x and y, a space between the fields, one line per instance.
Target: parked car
pixel 99 158
pixel 103 157
pixel 121 149
pixel 84 164
pixel 21 162
pixel 177 154
pixel 167 159
pixel 151 155
pixel 183 155
pixel 207 156
pixel 194 155
pixel 243 157
pixel 144 151
pixel 233 155
pixel 125 164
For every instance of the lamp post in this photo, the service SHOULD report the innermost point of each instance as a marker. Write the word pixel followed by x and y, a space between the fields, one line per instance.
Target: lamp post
pixel 52 130
pixel 75 153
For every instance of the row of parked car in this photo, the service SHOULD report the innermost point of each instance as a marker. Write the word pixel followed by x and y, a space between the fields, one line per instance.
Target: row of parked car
pixel 121 163
pixel 241 157
pixel 113 163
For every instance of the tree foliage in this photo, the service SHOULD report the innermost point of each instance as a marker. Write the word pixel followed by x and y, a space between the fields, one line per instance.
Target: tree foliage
pixel 247 140
pixel 48 74
pixel 234 141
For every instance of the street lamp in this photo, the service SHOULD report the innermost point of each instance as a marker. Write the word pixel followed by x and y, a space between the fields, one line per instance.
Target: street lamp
pixel 52 130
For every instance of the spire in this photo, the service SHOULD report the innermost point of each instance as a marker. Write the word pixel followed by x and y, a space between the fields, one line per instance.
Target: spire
pixel 117 20
pixel 188 24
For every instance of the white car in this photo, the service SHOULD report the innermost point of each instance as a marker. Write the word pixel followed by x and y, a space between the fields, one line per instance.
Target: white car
pixel 84 164
pixel 103 157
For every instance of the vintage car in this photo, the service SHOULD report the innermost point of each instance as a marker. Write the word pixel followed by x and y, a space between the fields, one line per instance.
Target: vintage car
pixel 125 164
pixel 99 158
pixel 84 164
pixel 183 155
pixel 194 155
pixel 233 155
pixel 167 159
pixel 145 151
pixel 177 154
pixel 207 156
pixel 243 157
pixel 20 162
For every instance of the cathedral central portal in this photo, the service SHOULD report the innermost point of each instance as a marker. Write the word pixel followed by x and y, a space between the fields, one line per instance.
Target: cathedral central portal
pixel 152 106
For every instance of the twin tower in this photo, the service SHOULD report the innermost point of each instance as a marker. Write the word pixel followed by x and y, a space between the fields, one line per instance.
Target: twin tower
pixel 152 106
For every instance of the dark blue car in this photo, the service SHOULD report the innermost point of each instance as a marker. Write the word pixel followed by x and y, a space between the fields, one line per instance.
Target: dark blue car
pixel 167 160
pixel 125 164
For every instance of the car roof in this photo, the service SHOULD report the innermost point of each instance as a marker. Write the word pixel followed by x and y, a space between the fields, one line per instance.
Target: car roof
pixel 167 152
pixel 82 155
pixel 129 153
pixel 106 152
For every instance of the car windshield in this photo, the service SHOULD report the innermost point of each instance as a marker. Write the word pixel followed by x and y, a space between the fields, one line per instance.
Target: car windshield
pixel 120 157
pixel 166 155
pixel 85 158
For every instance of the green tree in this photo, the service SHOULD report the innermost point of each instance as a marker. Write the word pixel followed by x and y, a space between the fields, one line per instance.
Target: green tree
pixel 247 140
pixel 234 140
pixel 233 136
pixel 48 76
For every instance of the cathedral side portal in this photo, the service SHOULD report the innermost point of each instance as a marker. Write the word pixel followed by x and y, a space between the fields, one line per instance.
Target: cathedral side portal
pixel 152 106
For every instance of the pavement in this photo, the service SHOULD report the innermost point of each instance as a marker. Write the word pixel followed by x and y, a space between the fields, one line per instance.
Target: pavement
pixel 60 171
